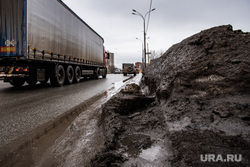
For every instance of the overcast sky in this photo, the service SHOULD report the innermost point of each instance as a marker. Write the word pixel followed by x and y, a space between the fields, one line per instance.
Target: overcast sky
pixel 170 23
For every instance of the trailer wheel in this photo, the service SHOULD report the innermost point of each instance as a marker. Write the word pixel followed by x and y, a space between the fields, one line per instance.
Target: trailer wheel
pixel 105 74
pixel 77 74
pixel 69 75
pixel 59 79
pixel 96 74
pixel 17 82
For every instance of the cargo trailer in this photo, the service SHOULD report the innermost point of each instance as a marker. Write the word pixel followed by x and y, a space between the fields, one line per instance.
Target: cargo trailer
pixel 43 40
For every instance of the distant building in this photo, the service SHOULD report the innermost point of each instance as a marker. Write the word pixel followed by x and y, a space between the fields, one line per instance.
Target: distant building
pixel 110 63
pixel 138 66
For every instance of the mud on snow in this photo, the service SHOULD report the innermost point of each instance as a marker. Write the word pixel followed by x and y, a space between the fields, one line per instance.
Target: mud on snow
pixel 193 103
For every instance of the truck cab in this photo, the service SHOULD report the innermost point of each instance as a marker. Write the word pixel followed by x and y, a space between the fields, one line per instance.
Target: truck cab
pixel 128 68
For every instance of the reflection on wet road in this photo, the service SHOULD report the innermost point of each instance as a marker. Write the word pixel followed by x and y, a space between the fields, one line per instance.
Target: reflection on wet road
pixel 23 109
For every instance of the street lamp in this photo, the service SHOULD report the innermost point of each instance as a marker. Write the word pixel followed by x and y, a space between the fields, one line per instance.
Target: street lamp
pixel 144 29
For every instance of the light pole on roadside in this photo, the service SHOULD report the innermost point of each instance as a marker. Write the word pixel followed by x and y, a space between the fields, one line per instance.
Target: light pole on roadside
pixel 142 49
pixel 144 30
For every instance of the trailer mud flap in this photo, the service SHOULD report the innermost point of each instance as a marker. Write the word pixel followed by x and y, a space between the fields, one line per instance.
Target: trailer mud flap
pixel 41 75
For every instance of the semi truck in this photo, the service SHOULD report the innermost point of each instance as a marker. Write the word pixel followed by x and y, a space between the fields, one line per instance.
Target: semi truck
pixel 42 40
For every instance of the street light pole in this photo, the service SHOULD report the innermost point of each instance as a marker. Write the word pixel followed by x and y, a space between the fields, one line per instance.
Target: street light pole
pixel 144 30
pixel 141 50
pixel 144 36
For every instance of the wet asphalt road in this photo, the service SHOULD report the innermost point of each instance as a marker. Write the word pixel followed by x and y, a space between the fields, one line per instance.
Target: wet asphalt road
pixel 23 109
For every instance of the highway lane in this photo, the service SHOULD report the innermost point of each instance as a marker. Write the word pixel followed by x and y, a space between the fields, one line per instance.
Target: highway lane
pixel 23 109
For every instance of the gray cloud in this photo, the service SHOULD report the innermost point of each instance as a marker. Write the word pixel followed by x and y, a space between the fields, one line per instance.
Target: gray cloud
pixel 171 22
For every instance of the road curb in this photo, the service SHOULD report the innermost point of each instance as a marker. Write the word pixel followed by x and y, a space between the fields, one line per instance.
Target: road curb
pixel 127 79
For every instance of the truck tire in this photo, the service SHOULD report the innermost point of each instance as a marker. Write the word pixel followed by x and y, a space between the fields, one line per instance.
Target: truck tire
pixel 77 76
pixel 17 82
pixel 69 75
pixel 105 74
pixel 96 74
pixel 59 79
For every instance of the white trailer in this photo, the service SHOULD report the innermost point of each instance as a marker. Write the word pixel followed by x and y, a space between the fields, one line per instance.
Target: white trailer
pixel 45 39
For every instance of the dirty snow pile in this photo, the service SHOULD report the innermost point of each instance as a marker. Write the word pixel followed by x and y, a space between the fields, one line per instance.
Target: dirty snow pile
pixel 194 110
pixel 203 89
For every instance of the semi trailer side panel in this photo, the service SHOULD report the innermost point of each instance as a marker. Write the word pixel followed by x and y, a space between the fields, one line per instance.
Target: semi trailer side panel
pixel 45 39
pixel 12 28
pixel 49 26
pixel 53 27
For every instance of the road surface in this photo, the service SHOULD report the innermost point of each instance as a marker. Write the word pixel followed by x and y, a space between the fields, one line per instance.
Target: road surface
pixel 23 109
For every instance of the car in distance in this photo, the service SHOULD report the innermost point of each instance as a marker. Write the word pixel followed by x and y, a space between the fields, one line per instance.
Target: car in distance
pixel 117 71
